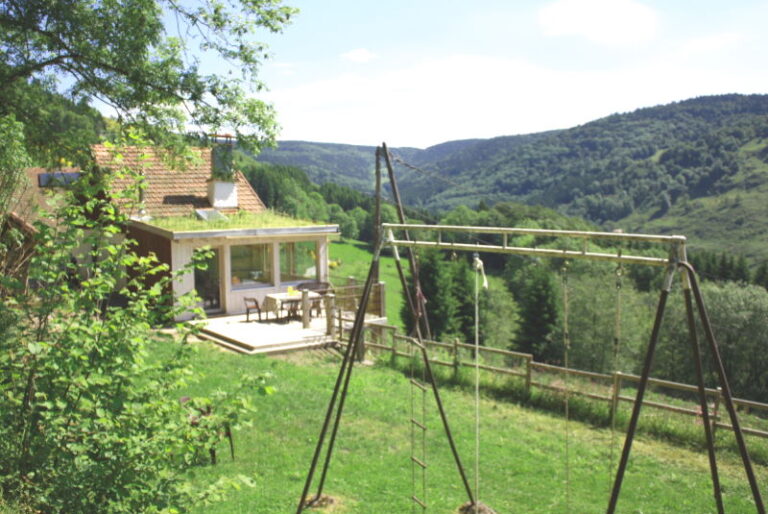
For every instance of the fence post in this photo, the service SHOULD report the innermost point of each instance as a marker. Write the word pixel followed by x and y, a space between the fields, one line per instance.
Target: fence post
pixel 305 308
pixel 528 373
pixel 330 311
pixel 715 410
pixel 361 349
pixel 455 355
pixel 616 391
pixel 379 335
pixel 382 300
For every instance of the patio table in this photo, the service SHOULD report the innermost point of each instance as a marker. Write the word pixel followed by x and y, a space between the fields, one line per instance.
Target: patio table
pixel 291 302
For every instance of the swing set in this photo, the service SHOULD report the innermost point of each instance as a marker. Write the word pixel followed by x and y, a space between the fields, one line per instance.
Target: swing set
pixel 397 235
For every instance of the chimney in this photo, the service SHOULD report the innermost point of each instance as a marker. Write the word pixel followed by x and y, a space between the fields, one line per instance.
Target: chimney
pixel 222 188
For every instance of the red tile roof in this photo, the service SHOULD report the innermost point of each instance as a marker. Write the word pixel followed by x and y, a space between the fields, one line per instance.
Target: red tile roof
pixel 171 192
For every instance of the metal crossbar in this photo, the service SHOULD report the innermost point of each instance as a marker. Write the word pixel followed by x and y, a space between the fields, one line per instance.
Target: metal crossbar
pixel 675 244
pixel 517 231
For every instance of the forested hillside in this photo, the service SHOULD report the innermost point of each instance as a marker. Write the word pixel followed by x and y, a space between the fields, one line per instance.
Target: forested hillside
pixel 698 167
pixel 350 165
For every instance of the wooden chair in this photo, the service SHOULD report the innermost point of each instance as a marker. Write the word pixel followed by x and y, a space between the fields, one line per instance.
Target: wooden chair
pixel 321 288
pixel 251 304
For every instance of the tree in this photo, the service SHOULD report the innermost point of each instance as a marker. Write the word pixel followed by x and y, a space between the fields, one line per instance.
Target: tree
pixel 499 317
pixel 150 74
pixel 537 297
pixel 347 224
pixel 56 129
pixel 761 275
pixel 447 284
pixel 368 228
pixel 15 247
pixel 13 161
pixel 737 313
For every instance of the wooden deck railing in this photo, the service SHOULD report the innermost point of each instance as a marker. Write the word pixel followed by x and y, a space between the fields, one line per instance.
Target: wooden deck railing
pixel 596 386
pixel 348 298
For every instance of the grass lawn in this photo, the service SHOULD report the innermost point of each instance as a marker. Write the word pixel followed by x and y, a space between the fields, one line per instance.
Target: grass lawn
pixel 522 451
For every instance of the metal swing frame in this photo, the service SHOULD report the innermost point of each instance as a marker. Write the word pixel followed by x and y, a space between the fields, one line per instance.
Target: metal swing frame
pixel 675 263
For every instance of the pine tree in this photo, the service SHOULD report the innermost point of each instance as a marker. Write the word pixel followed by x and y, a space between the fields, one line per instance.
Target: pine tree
pixel 538 314
pixel 741 270
pixel 761 275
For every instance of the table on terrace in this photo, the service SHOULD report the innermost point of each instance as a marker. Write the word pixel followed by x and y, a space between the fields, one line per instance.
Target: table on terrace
pixel 291 302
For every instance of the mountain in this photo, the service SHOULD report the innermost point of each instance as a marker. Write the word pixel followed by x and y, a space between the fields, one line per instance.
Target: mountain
pixel 697 167
pixel 350 165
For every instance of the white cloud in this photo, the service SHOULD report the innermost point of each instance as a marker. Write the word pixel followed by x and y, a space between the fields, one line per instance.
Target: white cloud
pixel 609 22
pixel 359 55
pixel 703 46
pixel 468 96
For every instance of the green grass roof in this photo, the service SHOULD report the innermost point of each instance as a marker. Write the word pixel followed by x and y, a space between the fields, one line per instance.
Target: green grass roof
pixel 239 220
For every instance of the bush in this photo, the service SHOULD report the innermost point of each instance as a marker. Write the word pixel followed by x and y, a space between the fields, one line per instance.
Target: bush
pixel 86 421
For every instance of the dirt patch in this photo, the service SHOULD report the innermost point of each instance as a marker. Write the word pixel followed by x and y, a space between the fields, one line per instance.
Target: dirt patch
pixel 328 504
pixel 476 508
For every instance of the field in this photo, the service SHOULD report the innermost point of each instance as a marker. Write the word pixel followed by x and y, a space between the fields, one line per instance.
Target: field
pixel 522 457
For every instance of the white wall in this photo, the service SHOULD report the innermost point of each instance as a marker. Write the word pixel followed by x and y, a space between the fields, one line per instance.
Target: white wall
pixel 232 300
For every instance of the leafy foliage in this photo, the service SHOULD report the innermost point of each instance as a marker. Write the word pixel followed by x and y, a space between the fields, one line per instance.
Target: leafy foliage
pixel 57 130
pixel 13 161
pixel 738 315
pixel 537 295
pixel 126 55
pixel 447 285
pixel 85 418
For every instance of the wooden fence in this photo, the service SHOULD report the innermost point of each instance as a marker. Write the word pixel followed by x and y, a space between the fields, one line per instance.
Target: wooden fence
pixel 596 386
pixel 348 297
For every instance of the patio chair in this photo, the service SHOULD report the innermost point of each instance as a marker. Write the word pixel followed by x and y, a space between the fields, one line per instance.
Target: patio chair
pixel 321 288
pixel 251 304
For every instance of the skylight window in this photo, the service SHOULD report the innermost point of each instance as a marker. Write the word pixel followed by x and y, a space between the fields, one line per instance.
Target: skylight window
pixel 210 215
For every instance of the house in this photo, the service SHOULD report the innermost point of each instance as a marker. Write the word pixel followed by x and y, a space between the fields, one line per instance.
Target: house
pixel 16 247
pixel 255 252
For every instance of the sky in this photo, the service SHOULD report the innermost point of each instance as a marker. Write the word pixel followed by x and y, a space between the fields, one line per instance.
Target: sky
pixel 421 72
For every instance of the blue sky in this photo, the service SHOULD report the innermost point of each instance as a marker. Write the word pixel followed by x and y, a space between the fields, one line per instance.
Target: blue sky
pixel 421 72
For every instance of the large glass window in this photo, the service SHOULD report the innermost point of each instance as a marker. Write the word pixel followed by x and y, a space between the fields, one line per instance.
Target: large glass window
pixel 298 261
pixel 251 265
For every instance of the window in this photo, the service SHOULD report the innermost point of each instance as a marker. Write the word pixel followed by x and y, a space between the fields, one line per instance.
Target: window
pixel 57 178
pixel 251 265
pixel 298 261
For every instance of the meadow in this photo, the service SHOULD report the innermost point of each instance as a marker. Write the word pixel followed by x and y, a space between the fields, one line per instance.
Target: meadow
pixel 522 457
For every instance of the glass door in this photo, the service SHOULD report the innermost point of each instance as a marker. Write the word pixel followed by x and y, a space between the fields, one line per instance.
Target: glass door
pixel 208 283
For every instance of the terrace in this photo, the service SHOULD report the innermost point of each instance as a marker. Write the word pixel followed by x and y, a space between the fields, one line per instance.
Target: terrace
pixel 280 332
